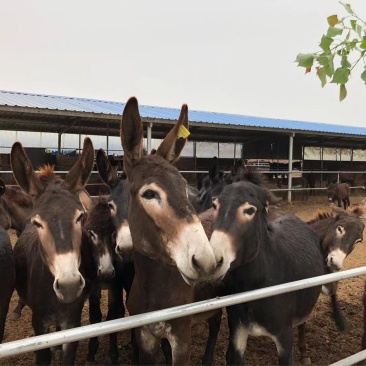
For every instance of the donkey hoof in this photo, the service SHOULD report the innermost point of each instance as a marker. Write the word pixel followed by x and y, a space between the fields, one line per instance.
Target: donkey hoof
pixel 306 361
pixel 14 317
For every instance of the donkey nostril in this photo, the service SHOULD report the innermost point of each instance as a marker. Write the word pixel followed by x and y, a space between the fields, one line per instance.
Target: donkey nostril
pixel 57 286
pixel 99 274
pixel 81 281
pixel 220 262
pixel 195 263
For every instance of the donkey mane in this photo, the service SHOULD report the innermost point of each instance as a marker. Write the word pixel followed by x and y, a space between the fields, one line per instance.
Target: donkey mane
pixel 46 171
pixel 322 215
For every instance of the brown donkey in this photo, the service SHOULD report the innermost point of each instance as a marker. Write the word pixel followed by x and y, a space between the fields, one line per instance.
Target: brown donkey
pixel 53 255
pixel 171 250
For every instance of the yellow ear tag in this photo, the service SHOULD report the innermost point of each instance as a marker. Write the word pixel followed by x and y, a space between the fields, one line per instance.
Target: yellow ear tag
pixel 183 133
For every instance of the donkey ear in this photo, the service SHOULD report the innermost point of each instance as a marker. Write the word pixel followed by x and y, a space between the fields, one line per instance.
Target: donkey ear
pixel 107 173
pixel 79 174
pixel 2 187
pixel 357 210
pixel 23 171
pixel 173 144
pixel 131 134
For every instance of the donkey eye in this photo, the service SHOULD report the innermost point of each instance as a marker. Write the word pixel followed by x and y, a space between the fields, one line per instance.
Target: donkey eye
pixel 149 194
pixel 37 224
pixel 249 211
pixel 79 218
pixel 214 205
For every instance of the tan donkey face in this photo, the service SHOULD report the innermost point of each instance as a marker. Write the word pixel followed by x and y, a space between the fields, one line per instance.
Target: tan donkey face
pixel 163 224
pixel 57 214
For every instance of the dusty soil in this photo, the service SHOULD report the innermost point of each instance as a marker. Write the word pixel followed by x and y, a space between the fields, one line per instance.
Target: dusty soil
pixel 326 343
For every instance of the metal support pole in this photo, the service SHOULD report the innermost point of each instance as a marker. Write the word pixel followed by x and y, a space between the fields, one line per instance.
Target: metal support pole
pixel 149 127
pixel 290 153
pixel 107 138
pixel 195 154
pixel 234 151
pixel 59 143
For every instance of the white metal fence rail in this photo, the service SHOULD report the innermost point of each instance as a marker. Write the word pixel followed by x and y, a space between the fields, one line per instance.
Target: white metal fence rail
pixel 111 326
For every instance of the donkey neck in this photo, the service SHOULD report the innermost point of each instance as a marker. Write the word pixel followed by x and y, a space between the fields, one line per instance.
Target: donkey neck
pixel 156 286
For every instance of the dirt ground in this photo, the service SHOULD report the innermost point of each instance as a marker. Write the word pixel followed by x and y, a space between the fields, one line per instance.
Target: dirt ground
pixel 326 343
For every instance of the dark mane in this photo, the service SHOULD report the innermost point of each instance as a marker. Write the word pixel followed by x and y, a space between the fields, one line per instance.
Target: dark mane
pixel 321 215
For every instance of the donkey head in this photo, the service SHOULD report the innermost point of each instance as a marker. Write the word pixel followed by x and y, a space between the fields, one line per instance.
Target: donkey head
pixel 102 234
pixel 240 216
pixel 163 223
pixel 344 230
pixel 118 203
pixel 57 215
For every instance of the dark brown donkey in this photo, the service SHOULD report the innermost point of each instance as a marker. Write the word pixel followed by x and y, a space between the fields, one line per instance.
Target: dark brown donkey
pixel 340 193
pixel 256 253
pixel 171 250
pixel 53 250
pixel 113 274
pixel 7 273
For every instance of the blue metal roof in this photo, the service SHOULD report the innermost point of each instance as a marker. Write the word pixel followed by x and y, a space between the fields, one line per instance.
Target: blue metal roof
pixel 62 103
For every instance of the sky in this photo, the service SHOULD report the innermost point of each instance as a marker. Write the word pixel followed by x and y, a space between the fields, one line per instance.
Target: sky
pixel 234 56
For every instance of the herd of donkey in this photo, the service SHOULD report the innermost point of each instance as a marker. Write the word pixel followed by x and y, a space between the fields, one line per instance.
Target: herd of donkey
pixel 153 229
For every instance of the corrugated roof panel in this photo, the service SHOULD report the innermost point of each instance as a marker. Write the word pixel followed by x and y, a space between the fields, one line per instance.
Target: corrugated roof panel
pixel 62 103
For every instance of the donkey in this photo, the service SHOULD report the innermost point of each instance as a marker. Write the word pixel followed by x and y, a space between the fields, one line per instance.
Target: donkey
pixel 169 243
pixel 339 192
pixel 7 273
pixel 113 274
pixel 253 253
pixel 53 249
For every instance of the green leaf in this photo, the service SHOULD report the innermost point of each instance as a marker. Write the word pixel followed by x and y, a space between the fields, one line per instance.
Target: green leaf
pixel 333 20
pixel 305 59
pixel 353 24
pixel 363 76
pixel 341 75
pixel 358 29
pixel 363 44
pixel 332 32
pixel 345 62
pixel 342 92
pixel 322 76
pixel 329 65
pixel 325 43
pixel 347 7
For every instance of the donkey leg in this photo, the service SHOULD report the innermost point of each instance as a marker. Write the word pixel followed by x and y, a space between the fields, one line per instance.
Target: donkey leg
pixel 69 349
pixel 180 341
pixel 213 331
pixel 43 356
pixel 238 337
pixel 115 310
pixel 95 316
pixel 147 345
pixel 284 344
pixel 17 312
pixel 304 352
pixel 364 318
pixel 167 351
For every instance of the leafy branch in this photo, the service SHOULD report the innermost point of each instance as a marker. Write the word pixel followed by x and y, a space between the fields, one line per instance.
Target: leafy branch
pixel 343 42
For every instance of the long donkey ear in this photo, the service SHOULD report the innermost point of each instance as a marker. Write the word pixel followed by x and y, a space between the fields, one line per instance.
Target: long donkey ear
pixel 79 174
pixel 106 172
pixel 132 135
pixel 173 144
pixel 23 171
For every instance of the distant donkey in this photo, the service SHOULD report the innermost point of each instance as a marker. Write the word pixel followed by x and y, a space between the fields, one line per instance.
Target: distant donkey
pixel 339 192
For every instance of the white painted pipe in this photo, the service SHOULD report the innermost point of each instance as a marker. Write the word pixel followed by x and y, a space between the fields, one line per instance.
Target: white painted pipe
pixel 111 326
